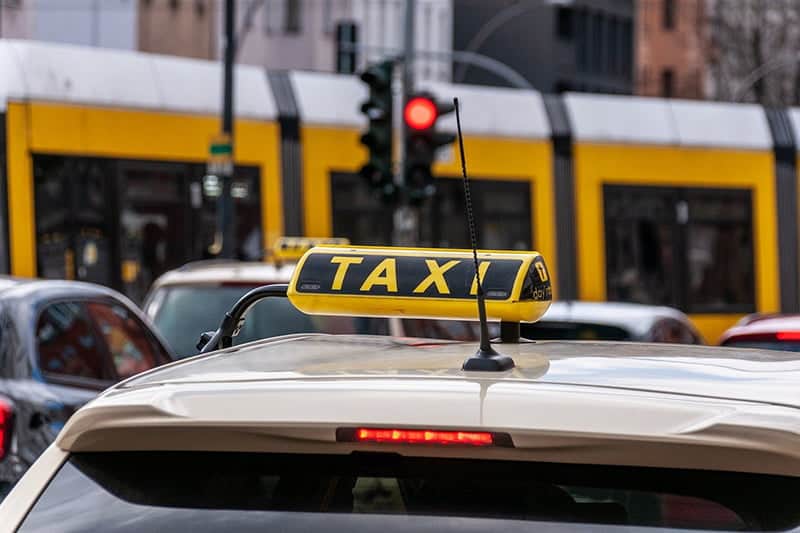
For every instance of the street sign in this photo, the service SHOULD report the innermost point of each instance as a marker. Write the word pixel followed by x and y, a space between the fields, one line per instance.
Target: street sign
pixel 220 156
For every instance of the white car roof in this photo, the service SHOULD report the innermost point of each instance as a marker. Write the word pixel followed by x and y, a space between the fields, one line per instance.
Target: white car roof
pixel 635 318
pixel 215 272
pixel 601 403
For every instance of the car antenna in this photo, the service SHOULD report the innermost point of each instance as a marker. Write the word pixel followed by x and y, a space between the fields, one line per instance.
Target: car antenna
pixel 486 358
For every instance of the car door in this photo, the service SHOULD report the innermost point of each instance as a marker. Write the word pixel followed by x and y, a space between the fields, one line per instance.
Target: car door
pixel 70 367
pixel 84 345
pixel 81 347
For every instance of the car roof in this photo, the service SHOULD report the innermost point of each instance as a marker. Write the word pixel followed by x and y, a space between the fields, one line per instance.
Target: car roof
pixel 16 287
pixel 215 272
pixel 756 325
pixel 316 383
pixel 636 318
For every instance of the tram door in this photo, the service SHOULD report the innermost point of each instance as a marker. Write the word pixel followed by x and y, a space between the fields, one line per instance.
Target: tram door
pixel 155 222
pixel 74 222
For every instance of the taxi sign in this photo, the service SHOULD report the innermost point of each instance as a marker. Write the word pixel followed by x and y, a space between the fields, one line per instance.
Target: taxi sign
pixel 293 248
pixel 420 283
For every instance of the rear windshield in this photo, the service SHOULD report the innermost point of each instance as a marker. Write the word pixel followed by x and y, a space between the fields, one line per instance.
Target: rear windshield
pixel 183 313
pixel 552 330
pixel 206 491
pixel 764 345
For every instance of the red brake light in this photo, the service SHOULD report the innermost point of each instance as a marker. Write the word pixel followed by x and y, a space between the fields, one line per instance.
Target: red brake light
pixel 424 436
pixel 420 113
pixel 788 335
pixel 6 420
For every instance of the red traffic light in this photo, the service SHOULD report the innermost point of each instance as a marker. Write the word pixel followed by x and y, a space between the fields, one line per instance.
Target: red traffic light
pixel 420 113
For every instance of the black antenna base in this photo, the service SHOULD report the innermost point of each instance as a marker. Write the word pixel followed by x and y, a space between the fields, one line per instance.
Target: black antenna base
pixel 488 361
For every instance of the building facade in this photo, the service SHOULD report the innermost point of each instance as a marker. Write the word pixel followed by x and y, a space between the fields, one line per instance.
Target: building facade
pixel 672 48
pixel 102 23
pixel 557 45
pixel 305 34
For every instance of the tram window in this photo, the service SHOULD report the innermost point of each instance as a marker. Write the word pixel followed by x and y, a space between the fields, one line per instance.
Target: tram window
pixel 502 211
pixel 720 228
pixel 73 213
pixel 357 213
pixel 673 247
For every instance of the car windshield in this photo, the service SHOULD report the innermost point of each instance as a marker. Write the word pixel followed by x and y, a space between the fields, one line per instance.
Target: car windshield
pixel 182 313
pixel 204 491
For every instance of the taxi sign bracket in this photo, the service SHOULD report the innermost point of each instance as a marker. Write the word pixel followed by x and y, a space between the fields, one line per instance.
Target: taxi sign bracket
pixel 234 319
pixel 509 332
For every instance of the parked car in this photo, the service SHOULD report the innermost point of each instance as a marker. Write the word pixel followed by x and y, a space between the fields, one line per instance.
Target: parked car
pixel 62 343
pixel 773 332
pixel 574 320
pixel 188 301
pixel 613 321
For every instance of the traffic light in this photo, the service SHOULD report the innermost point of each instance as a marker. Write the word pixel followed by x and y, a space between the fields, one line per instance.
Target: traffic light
pixel 422 141
pixel 377 172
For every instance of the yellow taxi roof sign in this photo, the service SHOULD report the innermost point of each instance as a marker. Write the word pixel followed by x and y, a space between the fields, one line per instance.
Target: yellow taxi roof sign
pixel 420 283
pixel 293 248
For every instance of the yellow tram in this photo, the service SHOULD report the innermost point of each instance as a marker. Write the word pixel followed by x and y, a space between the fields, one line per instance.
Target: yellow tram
pixel 102 161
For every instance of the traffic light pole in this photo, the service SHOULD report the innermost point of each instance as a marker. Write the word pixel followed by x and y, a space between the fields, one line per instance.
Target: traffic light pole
pixel 405 230
pixel 226 213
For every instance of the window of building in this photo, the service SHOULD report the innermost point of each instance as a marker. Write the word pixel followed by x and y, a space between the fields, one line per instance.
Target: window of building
pixel 672 246
pixel 267 17
pixel 614 47
pixel 564 22
pixel 68 344
pixel 128 342
pixel 174 4
pixel 627 48
pixel 581 40
pixel 200 8
pixel 667 83
pixel 669 14
pixel 346 53
pixel 291 23
pixel 598 22
pixel 327 16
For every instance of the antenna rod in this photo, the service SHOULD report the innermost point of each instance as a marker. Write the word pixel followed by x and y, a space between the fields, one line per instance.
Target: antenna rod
pixel 485 359
pixel 485 346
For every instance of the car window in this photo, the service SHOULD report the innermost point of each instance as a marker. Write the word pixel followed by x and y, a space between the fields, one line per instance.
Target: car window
pixel 68 345
pixel 206 491
pixel 583 331
pixel 185 312
pixel 129 344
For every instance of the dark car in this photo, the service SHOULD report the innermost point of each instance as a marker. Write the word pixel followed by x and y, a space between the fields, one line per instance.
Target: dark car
pixel 61 343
